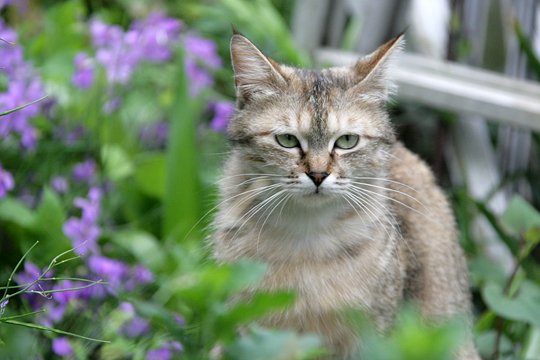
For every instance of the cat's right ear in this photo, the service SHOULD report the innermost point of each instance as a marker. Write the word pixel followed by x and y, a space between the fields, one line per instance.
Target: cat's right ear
pixel 255 75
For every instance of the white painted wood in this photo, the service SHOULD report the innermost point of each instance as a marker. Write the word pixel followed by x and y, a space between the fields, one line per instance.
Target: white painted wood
pixel 457 88
pixel 309 22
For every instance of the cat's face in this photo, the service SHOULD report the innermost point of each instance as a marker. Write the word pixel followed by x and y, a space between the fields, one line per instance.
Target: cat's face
pixel 316 133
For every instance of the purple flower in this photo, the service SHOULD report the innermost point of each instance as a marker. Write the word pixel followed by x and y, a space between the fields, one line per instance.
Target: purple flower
pixel 127 308
pixel 112 270
pixel 22 5
pixel 165 351
pixel 20 92
pixel 143 275
pixel 155 135
pixel 179 319
pixel 120 53
pixel 24 86
pixel 11 56
pixel 6 181
pixel 62 347
pixel 69 136
pixel 159 354
pixel 139 275
pixel 28 276
pixel 3 305
pixel 84 231
pixel 112 104
pixel 54 312
pixel 64 297
pixel 60 184
pixel 103 34
pixel 135 327
pixel 201 55
pixel 118 62
pixel 83 235
pixel 202 49
pixel 199 78
pixel 154 37
pixel 223 111
pixel 84 71
pixel 90 206
pixel 84 171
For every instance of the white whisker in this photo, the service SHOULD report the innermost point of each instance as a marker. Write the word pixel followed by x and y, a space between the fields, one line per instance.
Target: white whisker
pixel 389 189
pixel 391 199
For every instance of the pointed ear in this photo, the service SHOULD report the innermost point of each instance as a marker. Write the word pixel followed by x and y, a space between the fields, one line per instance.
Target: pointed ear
pixel 372 70
pixel 255 74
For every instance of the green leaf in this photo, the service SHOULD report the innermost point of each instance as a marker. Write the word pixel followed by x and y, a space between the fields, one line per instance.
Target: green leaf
pixel 532 348
pixel 117 163
pixel 17 212
pixel 527 48
pixel 254 308
pixel 485 343
pixel 523 307
pixel 182 200
pixel 150 174
pixel 142 245
pixel 263 344
pixel 520 216
pixel 211 284
pixel 484 270
pixel 50 217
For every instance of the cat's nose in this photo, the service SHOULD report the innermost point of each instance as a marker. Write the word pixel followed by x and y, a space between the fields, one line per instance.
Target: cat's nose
pixel 317 177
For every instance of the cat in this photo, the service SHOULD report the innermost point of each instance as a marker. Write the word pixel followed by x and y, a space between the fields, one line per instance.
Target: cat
pixel 317 186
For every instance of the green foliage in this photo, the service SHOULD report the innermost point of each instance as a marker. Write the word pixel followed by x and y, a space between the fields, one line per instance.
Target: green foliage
pixel 182 184
pixel 413 339
pixel 263 344
pixel 162 200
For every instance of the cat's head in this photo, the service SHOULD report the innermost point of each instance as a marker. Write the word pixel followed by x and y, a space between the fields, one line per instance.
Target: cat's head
pixel 317 130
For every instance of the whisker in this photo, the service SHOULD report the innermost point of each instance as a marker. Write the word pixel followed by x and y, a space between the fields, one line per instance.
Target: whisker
pixel 392 190
pixel 391 199
pixel 248 181
pixel 252 212
pixel 377 219
pixel 279 201
pixel 394 224
pixel 261 190
pixel 383 179
pixel 229 177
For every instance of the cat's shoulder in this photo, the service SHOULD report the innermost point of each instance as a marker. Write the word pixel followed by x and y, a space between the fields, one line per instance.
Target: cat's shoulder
pixel 408 167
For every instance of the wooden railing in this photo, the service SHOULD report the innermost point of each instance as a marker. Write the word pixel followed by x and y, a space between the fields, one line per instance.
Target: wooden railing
pixel 455 87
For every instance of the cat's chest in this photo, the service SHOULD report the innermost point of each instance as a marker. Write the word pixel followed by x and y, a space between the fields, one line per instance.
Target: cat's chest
pixel 336 282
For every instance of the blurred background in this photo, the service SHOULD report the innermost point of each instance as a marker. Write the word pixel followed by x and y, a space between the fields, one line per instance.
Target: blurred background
pixel 112 132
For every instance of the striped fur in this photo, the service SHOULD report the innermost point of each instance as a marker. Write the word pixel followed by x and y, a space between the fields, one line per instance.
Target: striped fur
pixel 376 230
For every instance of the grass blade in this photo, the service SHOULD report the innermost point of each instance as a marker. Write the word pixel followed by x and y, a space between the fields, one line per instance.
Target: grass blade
pixel 56 331
pixel 182 184
pixel 22 106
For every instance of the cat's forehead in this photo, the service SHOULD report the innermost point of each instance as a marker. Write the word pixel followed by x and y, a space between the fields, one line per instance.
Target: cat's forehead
pixel 321 101
pixel 320 83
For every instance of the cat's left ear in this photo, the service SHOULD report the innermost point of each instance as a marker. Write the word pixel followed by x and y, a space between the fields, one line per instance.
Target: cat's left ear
pixel 256 75
pixel 371 71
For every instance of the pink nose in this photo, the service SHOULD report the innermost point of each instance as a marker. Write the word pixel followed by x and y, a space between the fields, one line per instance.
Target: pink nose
pixel 317 177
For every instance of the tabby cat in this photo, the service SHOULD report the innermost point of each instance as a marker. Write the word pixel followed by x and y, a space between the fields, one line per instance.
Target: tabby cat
pixel 318 187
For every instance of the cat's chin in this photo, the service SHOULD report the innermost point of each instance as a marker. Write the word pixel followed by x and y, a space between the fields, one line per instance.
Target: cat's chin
pixel 315 198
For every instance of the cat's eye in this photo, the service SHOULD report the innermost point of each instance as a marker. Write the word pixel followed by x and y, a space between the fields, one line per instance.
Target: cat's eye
pixel 287 140
pixel 347 141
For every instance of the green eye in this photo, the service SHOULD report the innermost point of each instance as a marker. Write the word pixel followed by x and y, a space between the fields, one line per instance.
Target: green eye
pixel 287 140
pixel 347 141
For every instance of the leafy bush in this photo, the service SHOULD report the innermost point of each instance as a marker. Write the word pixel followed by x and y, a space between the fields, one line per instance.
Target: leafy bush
pixel 111 121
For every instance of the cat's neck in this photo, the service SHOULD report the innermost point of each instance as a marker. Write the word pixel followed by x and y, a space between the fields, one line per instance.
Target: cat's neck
pixel 299 231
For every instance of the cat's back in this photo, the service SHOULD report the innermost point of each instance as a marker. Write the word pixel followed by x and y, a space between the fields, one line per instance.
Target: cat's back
pixel 430 240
